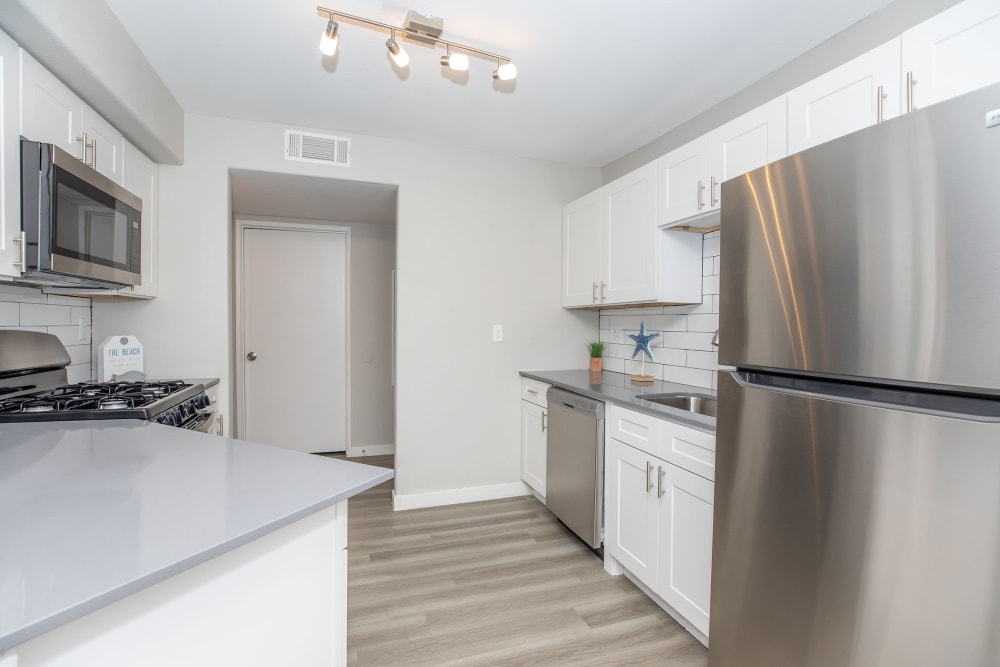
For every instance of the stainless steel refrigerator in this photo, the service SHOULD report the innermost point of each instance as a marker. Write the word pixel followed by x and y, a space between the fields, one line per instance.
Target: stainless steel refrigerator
pixel 857 506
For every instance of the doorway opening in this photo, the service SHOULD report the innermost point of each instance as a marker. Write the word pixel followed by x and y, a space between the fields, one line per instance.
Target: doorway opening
pixel 313 293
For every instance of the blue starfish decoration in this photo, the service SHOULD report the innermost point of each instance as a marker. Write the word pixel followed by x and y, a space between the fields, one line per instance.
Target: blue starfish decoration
pixel 642 340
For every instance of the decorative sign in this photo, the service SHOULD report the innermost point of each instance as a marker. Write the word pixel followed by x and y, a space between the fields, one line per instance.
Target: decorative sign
pixel 118 355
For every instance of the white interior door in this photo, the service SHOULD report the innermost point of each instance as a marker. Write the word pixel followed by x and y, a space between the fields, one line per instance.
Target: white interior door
pixel 294 357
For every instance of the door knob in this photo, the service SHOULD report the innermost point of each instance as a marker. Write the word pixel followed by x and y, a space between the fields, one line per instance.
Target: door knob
pixel 251 356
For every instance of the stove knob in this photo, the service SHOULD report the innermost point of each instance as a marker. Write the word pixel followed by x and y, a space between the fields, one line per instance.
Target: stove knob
pixel 203 402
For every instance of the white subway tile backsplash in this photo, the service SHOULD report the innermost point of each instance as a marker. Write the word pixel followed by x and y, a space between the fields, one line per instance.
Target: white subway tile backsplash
pixel 61 300
pixel 10 314
pixel 683 351
pixel 705 360
pixel 44 315
pixel 71 335
pixel 614 365
pixel 689 340
pixel 78 354
pixel 78 313
pixel 711 247
pixel 708 322
pixel 21 294
pixel 710 284
pixel 666 322
pixel 78 373
pixel 671 356
pixel 693 376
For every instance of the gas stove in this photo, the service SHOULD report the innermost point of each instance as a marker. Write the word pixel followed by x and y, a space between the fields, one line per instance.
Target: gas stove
pixel 33 388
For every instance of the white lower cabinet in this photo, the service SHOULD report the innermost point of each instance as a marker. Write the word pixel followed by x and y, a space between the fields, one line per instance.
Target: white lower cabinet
pixel 658 523
pixel 534 434
pixel 684 553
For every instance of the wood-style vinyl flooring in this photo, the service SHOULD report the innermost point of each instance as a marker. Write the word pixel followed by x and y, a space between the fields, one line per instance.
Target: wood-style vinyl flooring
pixel 492 583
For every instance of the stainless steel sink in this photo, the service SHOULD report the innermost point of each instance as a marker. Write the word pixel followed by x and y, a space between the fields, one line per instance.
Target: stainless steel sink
pixel 702 404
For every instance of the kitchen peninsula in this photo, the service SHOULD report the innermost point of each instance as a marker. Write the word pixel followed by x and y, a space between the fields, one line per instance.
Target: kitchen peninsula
pixel 132 543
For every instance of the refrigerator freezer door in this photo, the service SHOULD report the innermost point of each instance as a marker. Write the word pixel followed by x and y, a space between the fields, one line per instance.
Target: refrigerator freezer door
pixel 852 534
pixel 876 255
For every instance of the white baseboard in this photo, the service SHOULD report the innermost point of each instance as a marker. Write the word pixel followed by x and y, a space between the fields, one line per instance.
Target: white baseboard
pixel 471 494
pixel 370 450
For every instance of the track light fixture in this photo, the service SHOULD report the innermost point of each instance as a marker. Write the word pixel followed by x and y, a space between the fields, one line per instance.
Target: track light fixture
pixel 396 52
pixel 328 42
pixel 419 28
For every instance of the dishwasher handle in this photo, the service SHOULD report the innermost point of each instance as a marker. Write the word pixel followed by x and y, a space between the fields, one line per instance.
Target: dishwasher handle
pixel 583 405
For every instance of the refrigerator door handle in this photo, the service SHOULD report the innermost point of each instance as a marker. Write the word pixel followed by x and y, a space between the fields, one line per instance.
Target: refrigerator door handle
pixel 929 401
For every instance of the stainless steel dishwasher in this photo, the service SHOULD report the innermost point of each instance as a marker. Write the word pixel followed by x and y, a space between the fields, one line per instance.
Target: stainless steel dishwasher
pixel 574 477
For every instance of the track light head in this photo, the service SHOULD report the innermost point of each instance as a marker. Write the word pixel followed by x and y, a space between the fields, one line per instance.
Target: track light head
pixel 331 36
pixel 456 61
pixel 505 72
pixel 396 52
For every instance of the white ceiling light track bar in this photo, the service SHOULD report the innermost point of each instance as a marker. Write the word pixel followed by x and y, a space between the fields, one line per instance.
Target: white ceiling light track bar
pixel 505 70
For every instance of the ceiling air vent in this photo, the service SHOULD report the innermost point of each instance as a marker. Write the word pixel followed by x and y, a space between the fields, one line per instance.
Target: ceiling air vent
pixel 320 148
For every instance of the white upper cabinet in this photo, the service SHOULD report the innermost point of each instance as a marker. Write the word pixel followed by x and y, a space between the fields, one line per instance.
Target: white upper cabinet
pixel 50 112
pixel 613 253
pixel 689 177
pixel 53 114
pixel 10 160
pixel 955 52
pixel 682 176
pixel 750 141
pixel 105 145
pixel 856 95
pixel 582 250
pixel 628 247
pixel 141 178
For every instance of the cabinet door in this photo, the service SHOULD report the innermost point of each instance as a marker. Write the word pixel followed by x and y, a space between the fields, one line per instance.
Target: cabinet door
pixel 582 251
pixel 955 52
pixel 628 244
pixel 141 178
pixel 750 141
pixel 10 160
pixel 681 185
pixel 845 99
pixel 533 445
pixel 106 145
pixel 50 112
pixel 630 523
pixel 684 568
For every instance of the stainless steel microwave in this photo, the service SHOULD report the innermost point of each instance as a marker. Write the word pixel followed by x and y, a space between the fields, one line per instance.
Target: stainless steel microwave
pixel 78 227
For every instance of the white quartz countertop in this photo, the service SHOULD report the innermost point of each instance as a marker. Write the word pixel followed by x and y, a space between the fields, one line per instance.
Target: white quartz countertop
pixel 91 512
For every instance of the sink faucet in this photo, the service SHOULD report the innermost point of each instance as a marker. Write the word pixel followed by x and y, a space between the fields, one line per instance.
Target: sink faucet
pixel 715 338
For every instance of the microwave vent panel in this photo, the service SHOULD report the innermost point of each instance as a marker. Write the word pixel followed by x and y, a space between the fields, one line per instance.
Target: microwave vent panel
pixel 318 148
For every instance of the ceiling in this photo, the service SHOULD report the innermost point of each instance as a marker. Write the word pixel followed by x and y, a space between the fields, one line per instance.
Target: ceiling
pixel 596 80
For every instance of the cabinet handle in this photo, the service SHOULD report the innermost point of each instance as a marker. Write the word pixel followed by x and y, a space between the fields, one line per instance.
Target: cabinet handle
pixel 545 420
pixel 878 105
pixel 711 193
pixel 909 91
pixel 649 480
pixel 22 242
pixel 701 188
pixel 92 145
pixel 659 481
pixel 603 285
pixel 531 391
pixel 595 292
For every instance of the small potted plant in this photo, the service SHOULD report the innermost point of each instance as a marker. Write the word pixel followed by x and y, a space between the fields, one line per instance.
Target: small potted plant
pixel 596 349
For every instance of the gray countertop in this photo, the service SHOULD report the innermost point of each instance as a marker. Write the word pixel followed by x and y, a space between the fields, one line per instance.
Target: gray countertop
pixel 93 511
pixel 617 388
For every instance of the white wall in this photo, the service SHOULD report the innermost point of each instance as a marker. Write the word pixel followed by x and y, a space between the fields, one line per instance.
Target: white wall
pixel 478 243
pixel 67 317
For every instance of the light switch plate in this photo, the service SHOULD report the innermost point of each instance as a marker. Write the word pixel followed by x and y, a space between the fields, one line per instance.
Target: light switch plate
pixel 497 333
pixel 993 118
